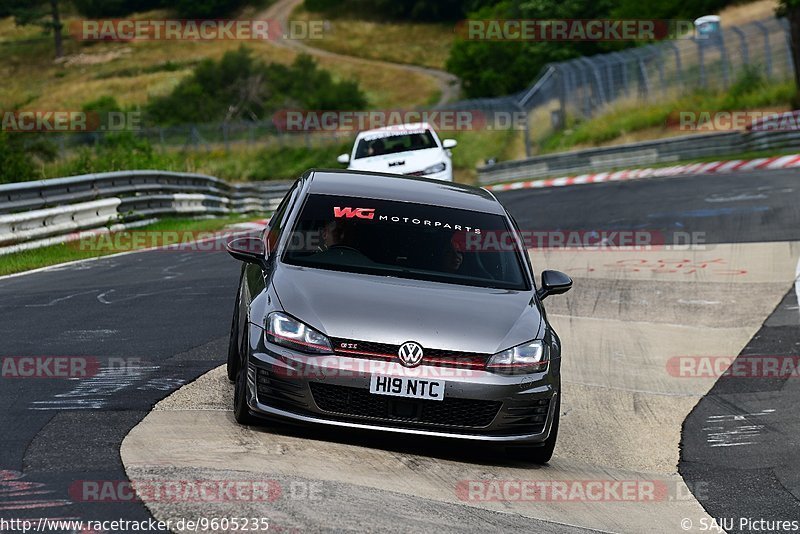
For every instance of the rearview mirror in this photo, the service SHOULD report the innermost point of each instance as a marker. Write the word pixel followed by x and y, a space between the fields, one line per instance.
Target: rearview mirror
pixel 554 283
pixel 248 250
pixel 343 159
pixel 449 143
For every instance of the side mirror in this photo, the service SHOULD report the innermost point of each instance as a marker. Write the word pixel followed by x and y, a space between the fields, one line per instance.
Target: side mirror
pixel 344 159
pixel 248 250
pixel 554 283
pixel 449 143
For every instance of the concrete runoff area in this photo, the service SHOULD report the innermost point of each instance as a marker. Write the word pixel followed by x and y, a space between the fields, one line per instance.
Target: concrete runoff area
pixel 630 313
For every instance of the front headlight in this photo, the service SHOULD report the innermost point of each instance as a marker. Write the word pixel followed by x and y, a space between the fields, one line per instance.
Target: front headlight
pixel 439 167
pixel 288 332
pixel 531 357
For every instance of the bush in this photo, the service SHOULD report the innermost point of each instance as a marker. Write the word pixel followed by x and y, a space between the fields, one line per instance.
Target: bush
pixel 20 155
pixel 239 87
pixel 115 152
pixel 15 164
pixel 489 68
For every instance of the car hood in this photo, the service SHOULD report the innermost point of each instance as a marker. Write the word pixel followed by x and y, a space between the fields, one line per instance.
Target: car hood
pixel 400 163
pixel 394 310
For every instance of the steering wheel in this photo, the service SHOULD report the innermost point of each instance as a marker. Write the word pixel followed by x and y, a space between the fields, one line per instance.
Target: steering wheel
pixel 345 247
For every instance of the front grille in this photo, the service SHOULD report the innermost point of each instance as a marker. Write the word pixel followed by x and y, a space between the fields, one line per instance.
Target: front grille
pixel 360 403
pixel 386 351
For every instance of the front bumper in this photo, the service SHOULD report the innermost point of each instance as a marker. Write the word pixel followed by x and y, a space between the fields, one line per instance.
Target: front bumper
pixel 334 391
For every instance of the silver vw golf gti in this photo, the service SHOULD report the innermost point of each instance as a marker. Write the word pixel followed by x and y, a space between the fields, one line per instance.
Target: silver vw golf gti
pixel 399 304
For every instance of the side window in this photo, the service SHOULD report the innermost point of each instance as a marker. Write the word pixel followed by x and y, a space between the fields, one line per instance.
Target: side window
pixel 525 256
pixel 277 221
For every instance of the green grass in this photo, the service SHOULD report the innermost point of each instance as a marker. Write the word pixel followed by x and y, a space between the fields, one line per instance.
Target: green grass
pixel 655 120
pixel 474 147
pixel 285 160
pixel 411 43
pixel 55 254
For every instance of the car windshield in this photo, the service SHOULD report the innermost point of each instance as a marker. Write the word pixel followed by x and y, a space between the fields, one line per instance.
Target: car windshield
pixel 380 144
pixel 406 240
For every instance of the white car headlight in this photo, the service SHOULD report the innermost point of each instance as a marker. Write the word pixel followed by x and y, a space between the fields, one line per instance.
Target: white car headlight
pixel 433 169
pixel 290 333
pixel 531 357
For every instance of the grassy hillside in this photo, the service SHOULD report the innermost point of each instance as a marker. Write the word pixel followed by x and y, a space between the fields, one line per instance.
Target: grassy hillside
pixel 412 43
pixel 133 71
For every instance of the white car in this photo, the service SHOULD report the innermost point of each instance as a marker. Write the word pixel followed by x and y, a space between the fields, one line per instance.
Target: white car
pixel 411 149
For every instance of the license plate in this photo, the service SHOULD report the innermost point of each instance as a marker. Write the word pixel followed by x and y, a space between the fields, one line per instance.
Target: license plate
pixel 415 388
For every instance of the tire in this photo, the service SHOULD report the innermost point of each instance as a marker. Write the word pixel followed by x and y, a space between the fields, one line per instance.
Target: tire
pixel 234 354
pixel 543 453
pixel 241 412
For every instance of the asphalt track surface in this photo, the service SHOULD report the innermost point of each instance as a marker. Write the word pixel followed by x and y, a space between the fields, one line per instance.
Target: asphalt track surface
pixel 165 314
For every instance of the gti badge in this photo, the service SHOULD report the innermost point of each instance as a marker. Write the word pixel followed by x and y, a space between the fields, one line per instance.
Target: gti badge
pixel 410 354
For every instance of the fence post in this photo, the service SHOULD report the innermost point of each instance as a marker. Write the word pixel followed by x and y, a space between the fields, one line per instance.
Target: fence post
pixel 527 131
pixel 644 79
pixel 701 62
pixel 587 104
pixel 597 81
pixel 563 87
pixel 609 77
pixel 789 56
pixel 742 45
pixel 658 51
pixel 726 62
pixel 678 63
pixel 623 66
pixel 767 49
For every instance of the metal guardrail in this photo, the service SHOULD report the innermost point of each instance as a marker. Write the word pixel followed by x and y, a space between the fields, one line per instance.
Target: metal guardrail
pixel 45 212
pixel 667 150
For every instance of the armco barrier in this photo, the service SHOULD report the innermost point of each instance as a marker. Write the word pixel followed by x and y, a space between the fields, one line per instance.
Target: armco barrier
pixel 669 150
pixel 43 212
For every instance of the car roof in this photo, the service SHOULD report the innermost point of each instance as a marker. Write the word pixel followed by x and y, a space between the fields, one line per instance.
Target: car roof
pixel 381 186
pixel 411 127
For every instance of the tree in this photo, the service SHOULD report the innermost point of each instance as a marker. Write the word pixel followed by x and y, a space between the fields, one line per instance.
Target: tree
pixel 45 13
pixel 791 10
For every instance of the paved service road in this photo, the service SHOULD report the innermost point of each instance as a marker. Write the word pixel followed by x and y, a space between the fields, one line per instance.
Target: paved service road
pixel 165 314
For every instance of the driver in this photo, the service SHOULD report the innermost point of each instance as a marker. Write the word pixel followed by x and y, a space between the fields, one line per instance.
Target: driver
pixel 453 256
pixel 335 232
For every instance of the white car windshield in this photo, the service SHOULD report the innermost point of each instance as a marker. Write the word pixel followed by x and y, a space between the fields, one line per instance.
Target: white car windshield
pixel 379 145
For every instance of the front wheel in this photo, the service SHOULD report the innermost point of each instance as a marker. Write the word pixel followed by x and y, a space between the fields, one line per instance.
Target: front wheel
pixel 234 355
pixel 241 412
